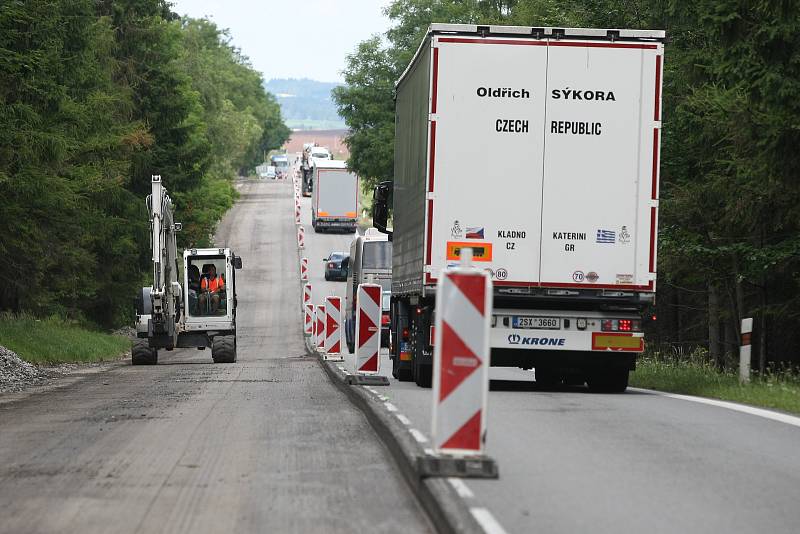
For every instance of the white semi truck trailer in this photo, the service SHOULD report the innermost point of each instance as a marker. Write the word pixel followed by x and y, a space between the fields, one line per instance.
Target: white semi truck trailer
pixel 565 221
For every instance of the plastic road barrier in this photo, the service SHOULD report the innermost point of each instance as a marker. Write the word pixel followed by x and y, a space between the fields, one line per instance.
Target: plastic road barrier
pixel 333 321
pixel 308 319
pixel 368 329
pixel 304 269
pixel 461 359
pixel 320 332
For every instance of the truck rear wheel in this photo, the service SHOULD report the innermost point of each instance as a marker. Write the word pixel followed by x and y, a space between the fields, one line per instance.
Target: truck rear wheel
pixel 142 354
pixel 423 374
pixel 223 349
pixel 547 378
pixel 403 375
pixel 608 381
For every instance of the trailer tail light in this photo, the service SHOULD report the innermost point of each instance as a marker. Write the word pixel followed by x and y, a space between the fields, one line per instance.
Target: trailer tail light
pixel 621 325
pixel 405 334
pixel 331 265
pixel 384 319
pixel 432 335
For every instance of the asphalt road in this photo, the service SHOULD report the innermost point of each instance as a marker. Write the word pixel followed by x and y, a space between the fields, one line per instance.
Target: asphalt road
pixel 263 445
pixel 571 461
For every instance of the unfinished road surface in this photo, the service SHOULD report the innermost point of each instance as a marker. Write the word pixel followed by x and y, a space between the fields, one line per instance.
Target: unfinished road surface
pixel 263 445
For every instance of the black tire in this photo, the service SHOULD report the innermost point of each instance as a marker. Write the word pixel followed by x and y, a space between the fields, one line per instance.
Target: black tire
pixel 403 375
pixel 223 349
pixel 142 354
pixel 547 379
pixel 327 278
pixel 608 381
pixel 423 375
pixel 574 379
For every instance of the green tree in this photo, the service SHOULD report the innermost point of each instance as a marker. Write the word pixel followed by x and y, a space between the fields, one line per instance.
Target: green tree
pixel 95 96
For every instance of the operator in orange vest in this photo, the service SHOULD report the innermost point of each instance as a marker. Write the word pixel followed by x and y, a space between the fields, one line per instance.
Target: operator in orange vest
pixel 211 287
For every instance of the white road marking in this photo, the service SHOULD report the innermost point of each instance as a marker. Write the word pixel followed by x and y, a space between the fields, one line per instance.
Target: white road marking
pixel 760 412
pixel 429 452
pixel 389 406
pixel 383 397
pixel 487 521
pixel 419 436
pixel 463 491
pixel 403 419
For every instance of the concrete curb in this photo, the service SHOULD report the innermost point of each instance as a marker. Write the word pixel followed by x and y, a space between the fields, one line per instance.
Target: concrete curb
pixel 448 512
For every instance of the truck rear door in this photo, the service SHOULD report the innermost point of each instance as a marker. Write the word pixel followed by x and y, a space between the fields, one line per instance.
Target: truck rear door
pixel 486 150
pixel 337 194
pixel 600 164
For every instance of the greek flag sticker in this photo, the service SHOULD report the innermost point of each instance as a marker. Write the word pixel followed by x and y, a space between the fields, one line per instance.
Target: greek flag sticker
pixel 606 236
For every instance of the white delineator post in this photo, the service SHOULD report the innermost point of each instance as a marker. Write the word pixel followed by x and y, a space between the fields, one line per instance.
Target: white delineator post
pixel 308 320
pixel 320 332
pixel 301 237
pixel 368 329
pixel 304 269
pixel 745 350
pixel 461 359
pixel 333 331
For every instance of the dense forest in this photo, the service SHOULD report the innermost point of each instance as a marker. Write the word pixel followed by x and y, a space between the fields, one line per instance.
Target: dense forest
pixel 729 237
pixel 95 96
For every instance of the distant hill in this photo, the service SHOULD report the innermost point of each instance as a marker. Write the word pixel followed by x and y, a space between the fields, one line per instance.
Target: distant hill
pixel 306 104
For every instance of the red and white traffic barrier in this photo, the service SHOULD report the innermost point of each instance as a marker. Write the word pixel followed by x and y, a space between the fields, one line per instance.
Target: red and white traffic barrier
pixel 320 328
pixel 461 359
pixel 308 319
pixel 297 215
pixel 304 269
pixel 333 331
pixel 301 237
pixel 368 329
pixel 306 293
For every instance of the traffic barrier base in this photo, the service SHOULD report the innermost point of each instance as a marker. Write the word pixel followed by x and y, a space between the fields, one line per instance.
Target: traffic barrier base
pixel 366 380
pixel 432 465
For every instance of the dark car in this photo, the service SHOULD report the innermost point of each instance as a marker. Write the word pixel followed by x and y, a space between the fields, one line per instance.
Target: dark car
pixel 386 299
pixel 336 266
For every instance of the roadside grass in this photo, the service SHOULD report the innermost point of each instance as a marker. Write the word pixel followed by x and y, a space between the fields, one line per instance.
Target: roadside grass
pixel 695 375
pixel 55 340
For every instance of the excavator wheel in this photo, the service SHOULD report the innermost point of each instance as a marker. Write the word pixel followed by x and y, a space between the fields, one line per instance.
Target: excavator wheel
pixel 142 354
pixel 223 349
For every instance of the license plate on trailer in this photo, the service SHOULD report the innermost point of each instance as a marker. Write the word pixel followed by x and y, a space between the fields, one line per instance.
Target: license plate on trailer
pixel 537 323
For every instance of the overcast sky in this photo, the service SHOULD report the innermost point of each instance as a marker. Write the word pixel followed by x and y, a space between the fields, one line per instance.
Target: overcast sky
pixel 294 38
